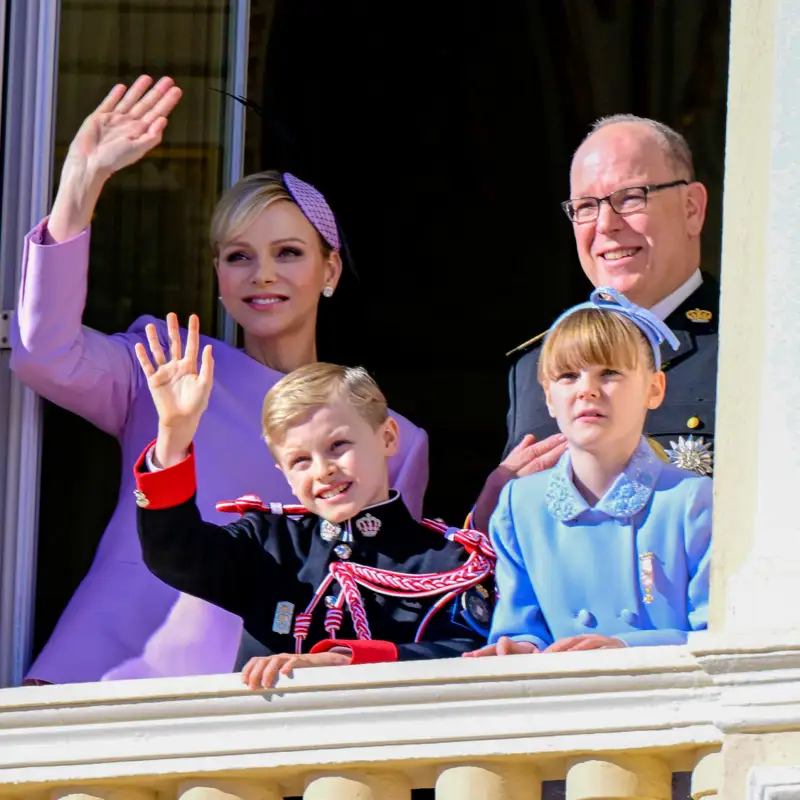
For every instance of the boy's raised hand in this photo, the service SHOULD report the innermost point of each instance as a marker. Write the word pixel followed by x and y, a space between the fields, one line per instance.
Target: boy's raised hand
pixel 180 393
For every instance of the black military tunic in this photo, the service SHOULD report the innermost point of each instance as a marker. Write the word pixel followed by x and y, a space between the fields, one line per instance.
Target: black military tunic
pixel 689 405
pixel 267 567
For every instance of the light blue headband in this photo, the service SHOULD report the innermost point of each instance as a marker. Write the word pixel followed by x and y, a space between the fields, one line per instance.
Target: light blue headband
pixel 608 299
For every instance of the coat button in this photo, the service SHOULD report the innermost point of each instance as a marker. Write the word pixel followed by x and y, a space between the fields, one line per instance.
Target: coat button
pixel 585 618
pixel 343 551
pixel 693 422
pixel 627 616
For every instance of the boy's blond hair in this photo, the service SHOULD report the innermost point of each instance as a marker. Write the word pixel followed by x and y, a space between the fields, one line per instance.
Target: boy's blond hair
pixel 590 337
pixel 315 385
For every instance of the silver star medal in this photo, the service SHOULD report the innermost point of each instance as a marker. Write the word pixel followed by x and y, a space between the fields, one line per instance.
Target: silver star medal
pixel 692 454
pixel 330 532
pixel 368 525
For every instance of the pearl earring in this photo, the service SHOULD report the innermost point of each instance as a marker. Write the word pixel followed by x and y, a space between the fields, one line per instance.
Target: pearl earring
pixel 327 291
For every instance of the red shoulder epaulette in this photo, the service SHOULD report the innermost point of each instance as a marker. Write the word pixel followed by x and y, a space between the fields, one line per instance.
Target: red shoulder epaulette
pixel 251 502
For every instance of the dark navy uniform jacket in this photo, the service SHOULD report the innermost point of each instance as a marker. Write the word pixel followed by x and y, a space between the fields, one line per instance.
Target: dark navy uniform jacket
pixel 690 401
pixel 261 562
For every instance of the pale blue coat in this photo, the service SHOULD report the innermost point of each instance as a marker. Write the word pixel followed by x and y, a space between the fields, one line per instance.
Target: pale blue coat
pixel 565 568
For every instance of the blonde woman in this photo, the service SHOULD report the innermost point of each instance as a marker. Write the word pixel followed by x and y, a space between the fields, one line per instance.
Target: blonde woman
pixel 276 254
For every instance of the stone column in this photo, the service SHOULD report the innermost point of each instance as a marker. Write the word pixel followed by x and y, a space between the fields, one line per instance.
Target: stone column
pixel 755 613
pixel 228 790
pixel 488 782
pixel 623 778
pixel 756 558
pixel 359 786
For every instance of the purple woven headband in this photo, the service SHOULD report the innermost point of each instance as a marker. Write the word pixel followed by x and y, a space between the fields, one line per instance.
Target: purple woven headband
pixel 315 207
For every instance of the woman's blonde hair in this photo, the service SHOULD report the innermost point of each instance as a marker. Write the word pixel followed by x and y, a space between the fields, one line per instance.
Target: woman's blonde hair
pixel 244 201
pixel 308 388
pixel 591 337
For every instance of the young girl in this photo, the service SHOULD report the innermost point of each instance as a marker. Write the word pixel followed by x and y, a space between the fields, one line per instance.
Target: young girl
pixel 611 548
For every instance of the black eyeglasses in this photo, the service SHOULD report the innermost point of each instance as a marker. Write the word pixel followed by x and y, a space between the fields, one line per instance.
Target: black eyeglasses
pixel 623 201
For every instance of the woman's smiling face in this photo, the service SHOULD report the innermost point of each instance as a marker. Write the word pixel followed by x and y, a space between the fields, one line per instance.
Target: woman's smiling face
pixel 272 273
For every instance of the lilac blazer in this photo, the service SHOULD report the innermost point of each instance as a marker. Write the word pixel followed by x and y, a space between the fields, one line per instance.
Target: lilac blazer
pixel 122 622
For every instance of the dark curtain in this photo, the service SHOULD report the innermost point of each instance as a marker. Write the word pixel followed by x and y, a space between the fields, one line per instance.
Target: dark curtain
pixel 442 134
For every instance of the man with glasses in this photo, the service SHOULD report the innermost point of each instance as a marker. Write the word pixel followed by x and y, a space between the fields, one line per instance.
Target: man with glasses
pixel 637 214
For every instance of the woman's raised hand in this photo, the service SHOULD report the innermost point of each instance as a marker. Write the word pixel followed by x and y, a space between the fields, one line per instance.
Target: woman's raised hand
pixel 125 126
pixel 180 392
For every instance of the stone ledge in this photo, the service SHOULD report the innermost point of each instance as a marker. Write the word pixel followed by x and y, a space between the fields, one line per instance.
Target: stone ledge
pixel 758 677
pixel 643 699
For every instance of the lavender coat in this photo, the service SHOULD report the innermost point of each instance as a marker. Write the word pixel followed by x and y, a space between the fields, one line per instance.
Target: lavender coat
pixel 122 622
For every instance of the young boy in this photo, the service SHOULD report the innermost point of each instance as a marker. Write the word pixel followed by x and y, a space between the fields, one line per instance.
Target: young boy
pixel 611 547
pixel 351 562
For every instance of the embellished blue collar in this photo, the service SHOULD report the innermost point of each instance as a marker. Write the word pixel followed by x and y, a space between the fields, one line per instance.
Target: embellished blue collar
pixel 627 496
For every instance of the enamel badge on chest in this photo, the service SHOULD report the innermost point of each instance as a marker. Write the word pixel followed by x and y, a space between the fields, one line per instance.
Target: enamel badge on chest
pixel 329 532
pixel 699 315
pixel 646 576
pixel 282 622
pixel 368 525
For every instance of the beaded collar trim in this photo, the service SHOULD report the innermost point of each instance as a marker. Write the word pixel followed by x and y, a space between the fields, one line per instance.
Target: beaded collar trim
pixel 628 495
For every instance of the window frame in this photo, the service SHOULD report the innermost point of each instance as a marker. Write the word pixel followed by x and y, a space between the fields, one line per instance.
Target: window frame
pixel 28 108
pixel 29 94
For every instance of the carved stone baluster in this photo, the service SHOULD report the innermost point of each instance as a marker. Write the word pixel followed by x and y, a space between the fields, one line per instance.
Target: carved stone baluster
pixel 228 790
pixel 100 793
pixel 488 782
pixel 359 786
pixel 623 778
pixel 707 776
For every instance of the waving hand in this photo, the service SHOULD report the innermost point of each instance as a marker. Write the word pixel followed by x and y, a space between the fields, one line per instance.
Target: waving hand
pixel 180 392
pixel 119 132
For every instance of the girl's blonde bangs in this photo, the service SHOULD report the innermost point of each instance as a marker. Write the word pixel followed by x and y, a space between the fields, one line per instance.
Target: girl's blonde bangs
pixel 590 337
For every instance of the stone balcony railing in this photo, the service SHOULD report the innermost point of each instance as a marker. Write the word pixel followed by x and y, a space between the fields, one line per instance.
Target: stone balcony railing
pixel 612 724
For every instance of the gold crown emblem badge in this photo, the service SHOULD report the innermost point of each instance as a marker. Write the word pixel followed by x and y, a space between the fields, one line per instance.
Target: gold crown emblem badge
pixel 699 315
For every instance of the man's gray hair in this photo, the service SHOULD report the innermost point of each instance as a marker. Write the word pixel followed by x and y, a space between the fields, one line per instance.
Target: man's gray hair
pixel 675 147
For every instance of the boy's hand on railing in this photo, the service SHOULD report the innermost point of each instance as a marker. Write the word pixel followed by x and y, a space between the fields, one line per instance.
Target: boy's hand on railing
pixel 262 672
pixel 587 641
pixel 180 393
pixel 505 646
